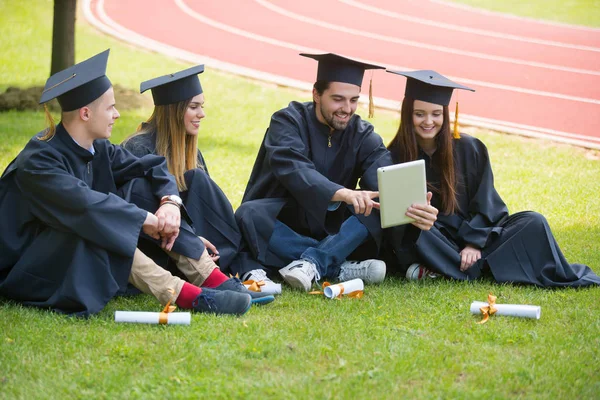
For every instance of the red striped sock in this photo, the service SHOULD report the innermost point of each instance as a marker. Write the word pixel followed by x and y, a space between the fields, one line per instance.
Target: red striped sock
pixel 215 278
pixel 187 295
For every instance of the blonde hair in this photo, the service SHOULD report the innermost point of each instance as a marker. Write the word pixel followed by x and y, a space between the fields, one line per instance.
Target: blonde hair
pixel 51 126
pixel 172 141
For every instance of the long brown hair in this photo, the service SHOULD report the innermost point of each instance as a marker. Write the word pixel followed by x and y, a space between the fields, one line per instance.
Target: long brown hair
pixel 405 148
pixel 172 141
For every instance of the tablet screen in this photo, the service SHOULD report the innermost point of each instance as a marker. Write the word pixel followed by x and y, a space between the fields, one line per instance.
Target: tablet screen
pixel 400 186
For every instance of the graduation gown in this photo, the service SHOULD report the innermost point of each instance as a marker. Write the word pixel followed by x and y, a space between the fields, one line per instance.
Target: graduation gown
pixel 209 211
pixel 299 167
pixel 518 248
pixel 67 239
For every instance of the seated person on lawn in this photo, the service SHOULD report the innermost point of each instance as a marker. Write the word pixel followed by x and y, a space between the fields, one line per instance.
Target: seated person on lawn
pixel 68 239
pixel 474 232
pixel 301 207
pixel 172 132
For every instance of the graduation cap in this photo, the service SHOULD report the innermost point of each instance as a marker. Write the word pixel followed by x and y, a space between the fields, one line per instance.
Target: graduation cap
pixel 79 85
pixel 176 87
pixel 429 86
pixel 334 68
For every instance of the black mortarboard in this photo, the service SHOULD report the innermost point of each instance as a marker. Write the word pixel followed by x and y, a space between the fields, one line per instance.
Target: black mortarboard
pixel 79 85
pixel 334 68
pixel 176 87
pixel 429 86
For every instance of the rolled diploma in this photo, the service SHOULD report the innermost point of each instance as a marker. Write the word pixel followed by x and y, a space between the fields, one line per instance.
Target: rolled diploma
pixel 269 288
pixel 334 291
pixel 141 317
pixel 511 310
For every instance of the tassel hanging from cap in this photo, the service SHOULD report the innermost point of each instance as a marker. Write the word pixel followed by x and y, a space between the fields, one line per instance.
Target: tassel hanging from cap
pixel 456 134
pixel 371 106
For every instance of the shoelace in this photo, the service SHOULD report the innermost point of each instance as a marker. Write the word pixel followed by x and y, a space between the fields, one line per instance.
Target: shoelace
pixel 257 275
pixel 209 300
pixel 239 284
pixel 428 273
pixel 316 271
pixel 353 272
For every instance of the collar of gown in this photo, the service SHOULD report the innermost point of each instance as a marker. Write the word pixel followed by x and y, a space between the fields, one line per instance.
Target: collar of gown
pixel 67 140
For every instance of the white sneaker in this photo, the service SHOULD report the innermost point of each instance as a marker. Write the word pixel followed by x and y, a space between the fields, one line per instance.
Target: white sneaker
pixel 258 275
pixel 370 271
pixel 299 274
pixel 416 272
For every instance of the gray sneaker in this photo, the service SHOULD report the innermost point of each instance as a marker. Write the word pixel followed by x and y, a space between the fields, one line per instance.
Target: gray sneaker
pixel 417 272
pixel 370 271
pixel 222 302
pixel 299 274
pixel 235 285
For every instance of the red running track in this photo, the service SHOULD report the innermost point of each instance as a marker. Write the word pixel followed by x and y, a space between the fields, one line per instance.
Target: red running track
pixel 530 76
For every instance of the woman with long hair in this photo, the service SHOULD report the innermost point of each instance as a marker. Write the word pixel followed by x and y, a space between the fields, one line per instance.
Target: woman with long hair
pixel 172 132
pixel 474 232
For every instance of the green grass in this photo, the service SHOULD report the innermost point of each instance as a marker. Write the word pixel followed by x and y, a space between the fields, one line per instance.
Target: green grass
pixel 401 340
pixel 574 12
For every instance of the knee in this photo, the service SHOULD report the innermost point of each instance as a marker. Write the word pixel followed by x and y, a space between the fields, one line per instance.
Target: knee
pixel 245 213
pixel 196 175
pixel 535 218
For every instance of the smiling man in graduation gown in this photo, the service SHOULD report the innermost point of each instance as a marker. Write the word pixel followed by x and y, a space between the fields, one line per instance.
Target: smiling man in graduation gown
pixel 301 210
pixel 68 241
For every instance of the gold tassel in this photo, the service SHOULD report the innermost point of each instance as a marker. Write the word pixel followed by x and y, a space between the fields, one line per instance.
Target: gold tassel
pixel 371 106
pixel 456 134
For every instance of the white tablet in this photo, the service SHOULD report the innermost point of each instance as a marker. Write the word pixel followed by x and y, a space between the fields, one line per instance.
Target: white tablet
pixel 400 186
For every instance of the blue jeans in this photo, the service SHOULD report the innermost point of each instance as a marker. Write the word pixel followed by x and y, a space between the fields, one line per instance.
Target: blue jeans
pixel 326 254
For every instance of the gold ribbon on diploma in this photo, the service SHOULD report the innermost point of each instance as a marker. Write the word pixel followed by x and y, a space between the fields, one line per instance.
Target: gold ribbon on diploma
pixel 357 294
pixel 163 316
pixel 254 285
pixel 488 310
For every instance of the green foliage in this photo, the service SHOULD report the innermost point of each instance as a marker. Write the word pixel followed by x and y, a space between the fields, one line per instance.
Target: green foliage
pixel 574 12
pixel 402 340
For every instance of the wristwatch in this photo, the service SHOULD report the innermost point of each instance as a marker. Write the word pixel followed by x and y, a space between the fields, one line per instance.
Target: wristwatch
pixel 171 199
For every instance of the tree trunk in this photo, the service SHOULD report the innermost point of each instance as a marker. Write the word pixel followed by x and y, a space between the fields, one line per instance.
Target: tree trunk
pixel 63 35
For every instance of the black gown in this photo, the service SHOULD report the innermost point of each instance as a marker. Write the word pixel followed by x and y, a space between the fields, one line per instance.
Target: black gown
pixel 67 239
pixel 518 248
pixel 209 210
pixel 299 167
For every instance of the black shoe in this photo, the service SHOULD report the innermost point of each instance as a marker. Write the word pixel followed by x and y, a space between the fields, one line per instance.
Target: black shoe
pixel 222 302
pixel 236 285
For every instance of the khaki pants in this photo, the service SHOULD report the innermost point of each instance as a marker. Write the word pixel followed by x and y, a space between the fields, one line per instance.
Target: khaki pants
pixel 151 278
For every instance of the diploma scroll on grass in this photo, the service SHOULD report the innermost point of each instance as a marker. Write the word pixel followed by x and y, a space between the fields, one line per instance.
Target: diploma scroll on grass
pixel 511 310
pixel 141 317
pixel 355 286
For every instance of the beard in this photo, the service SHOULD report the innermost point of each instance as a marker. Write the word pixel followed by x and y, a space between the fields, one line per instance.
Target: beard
pixel 332 121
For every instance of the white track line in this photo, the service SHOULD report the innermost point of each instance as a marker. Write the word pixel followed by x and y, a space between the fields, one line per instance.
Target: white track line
pixel 420 45
pixel 458 28
pixel 511 16
pixel 264 39
pixel 109 26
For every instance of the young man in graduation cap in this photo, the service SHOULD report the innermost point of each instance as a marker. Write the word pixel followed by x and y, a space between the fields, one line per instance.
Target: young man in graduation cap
pixel 301 212
pixel 68 239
